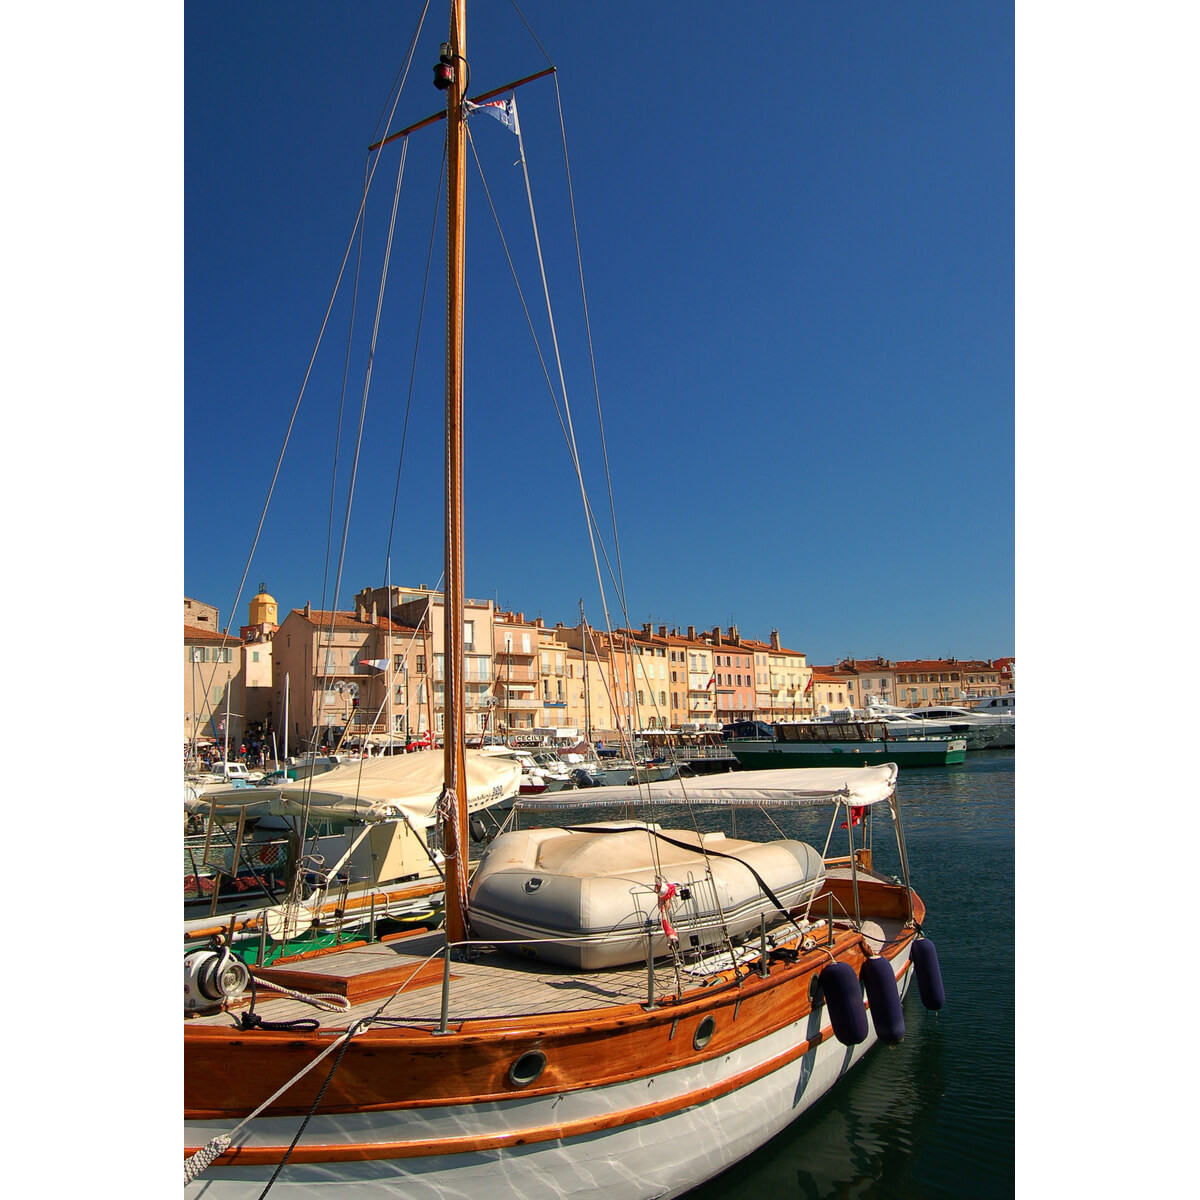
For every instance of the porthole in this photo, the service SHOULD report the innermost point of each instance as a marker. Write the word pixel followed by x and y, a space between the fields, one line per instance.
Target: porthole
pixel 704 1032
pixel 527 1068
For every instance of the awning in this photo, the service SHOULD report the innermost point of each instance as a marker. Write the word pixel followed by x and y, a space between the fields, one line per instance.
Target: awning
pixel 790 786
pixel 376 789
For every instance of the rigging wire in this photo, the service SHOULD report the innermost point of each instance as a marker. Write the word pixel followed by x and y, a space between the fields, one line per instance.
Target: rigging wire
pixel 399 90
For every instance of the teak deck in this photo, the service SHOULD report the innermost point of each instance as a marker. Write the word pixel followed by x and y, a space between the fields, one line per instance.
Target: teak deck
pixel 492 984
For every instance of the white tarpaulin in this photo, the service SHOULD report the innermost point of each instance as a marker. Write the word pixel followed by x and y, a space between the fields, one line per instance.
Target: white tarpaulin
pixel 794 785
pixel 376 789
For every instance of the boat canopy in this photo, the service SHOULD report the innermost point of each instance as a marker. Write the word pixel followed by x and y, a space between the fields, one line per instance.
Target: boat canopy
pixel 859 786
pixel 400 787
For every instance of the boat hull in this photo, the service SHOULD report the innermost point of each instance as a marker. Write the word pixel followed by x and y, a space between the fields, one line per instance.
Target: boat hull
pixel 655 1133
pixel 765 755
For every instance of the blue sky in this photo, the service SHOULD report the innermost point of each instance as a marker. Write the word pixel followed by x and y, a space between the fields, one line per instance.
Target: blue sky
pixel 797 240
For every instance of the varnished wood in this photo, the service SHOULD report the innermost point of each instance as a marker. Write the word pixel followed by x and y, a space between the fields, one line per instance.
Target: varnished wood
pixel 386 1068
pixel 356 988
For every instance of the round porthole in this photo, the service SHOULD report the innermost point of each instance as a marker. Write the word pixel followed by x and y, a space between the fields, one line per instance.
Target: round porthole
pixel 527 1068
pixel 704 1032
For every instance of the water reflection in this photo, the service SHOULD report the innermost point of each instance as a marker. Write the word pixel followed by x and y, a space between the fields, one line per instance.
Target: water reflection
pixel 934 1116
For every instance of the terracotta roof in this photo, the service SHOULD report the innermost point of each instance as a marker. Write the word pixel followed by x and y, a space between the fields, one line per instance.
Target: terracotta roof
pixel 937 664
pixel 829 675
pixel 349 620
pixel 193 633
pixel 766 648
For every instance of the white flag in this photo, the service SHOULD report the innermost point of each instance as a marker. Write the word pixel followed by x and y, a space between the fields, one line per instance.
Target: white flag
pixel 505 111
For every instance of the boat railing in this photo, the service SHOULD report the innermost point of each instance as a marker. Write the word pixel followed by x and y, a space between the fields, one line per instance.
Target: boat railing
pixel 754 954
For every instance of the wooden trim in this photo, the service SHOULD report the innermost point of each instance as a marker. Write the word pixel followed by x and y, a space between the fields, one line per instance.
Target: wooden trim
pixel 227 1072
pixel 370 985
pixel 469 1144
pixel 481 1143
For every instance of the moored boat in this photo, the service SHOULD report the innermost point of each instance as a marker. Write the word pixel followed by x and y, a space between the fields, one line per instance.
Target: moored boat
pixel 824 743
pixel 335 855
pixel 455 1064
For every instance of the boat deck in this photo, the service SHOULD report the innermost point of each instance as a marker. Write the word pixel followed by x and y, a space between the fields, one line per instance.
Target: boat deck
pixel 401 980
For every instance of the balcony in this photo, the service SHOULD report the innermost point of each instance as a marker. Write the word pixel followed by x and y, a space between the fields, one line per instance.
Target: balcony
pixel 515 674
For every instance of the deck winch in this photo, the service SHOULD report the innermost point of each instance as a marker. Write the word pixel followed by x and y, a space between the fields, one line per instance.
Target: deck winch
pixel 211 978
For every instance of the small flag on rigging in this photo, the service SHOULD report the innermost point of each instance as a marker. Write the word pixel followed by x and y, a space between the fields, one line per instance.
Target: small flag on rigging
pixel 505 111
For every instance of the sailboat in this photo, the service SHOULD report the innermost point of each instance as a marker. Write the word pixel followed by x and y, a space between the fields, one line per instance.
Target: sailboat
pixel 540 1044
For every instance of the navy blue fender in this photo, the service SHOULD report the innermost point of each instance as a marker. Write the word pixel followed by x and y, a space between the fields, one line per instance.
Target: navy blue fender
pixel 929 975
pixel 884 998
pixel 843 999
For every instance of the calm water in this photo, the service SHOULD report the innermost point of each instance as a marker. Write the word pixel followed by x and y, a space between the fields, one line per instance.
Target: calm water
pixel 933 1116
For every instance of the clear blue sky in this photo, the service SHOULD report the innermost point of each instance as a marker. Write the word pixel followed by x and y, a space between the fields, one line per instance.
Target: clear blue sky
pixel 797 237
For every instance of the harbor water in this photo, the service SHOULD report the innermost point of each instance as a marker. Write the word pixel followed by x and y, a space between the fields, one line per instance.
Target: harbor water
pixel 934 1115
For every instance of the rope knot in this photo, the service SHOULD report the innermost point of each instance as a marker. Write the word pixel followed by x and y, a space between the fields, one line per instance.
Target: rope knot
pixel 205 1157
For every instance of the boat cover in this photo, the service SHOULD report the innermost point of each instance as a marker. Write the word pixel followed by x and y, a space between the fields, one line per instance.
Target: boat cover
pixel 402 786
pixel 585 896
pixel 776 788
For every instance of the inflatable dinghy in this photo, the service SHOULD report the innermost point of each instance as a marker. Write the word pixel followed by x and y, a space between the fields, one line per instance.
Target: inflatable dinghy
pixel 585 896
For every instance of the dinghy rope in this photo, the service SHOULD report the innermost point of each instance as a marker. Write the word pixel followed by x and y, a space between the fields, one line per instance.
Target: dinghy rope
pixel 706 850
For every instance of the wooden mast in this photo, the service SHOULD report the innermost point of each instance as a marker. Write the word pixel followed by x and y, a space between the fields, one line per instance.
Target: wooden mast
pixel 455 824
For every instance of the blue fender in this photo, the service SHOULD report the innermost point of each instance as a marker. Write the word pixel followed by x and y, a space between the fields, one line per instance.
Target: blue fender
pixel 929 975
pixel 843 998
pixel 884 998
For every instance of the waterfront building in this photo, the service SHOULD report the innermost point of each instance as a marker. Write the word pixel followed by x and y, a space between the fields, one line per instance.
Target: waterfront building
pixel 606 669
pixel 331 674
pixel 421 608
pixel 521 675
pixel 518 688
pixel 733 676
pixel 870 680
pixel 782 680
pixel 1008 674
pixel 213 692
pixel 986 677
pixel 834 688
pixel 923 682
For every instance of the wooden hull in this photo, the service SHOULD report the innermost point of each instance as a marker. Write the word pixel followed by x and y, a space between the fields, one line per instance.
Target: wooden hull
pixel 631 1104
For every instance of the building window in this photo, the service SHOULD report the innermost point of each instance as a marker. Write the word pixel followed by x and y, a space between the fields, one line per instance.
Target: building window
pixel 468 635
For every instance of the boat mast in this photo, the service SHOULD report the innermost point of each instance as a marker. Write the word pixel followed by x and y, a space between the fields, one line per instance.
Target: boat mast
pixel 587 704
pixel 455 823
